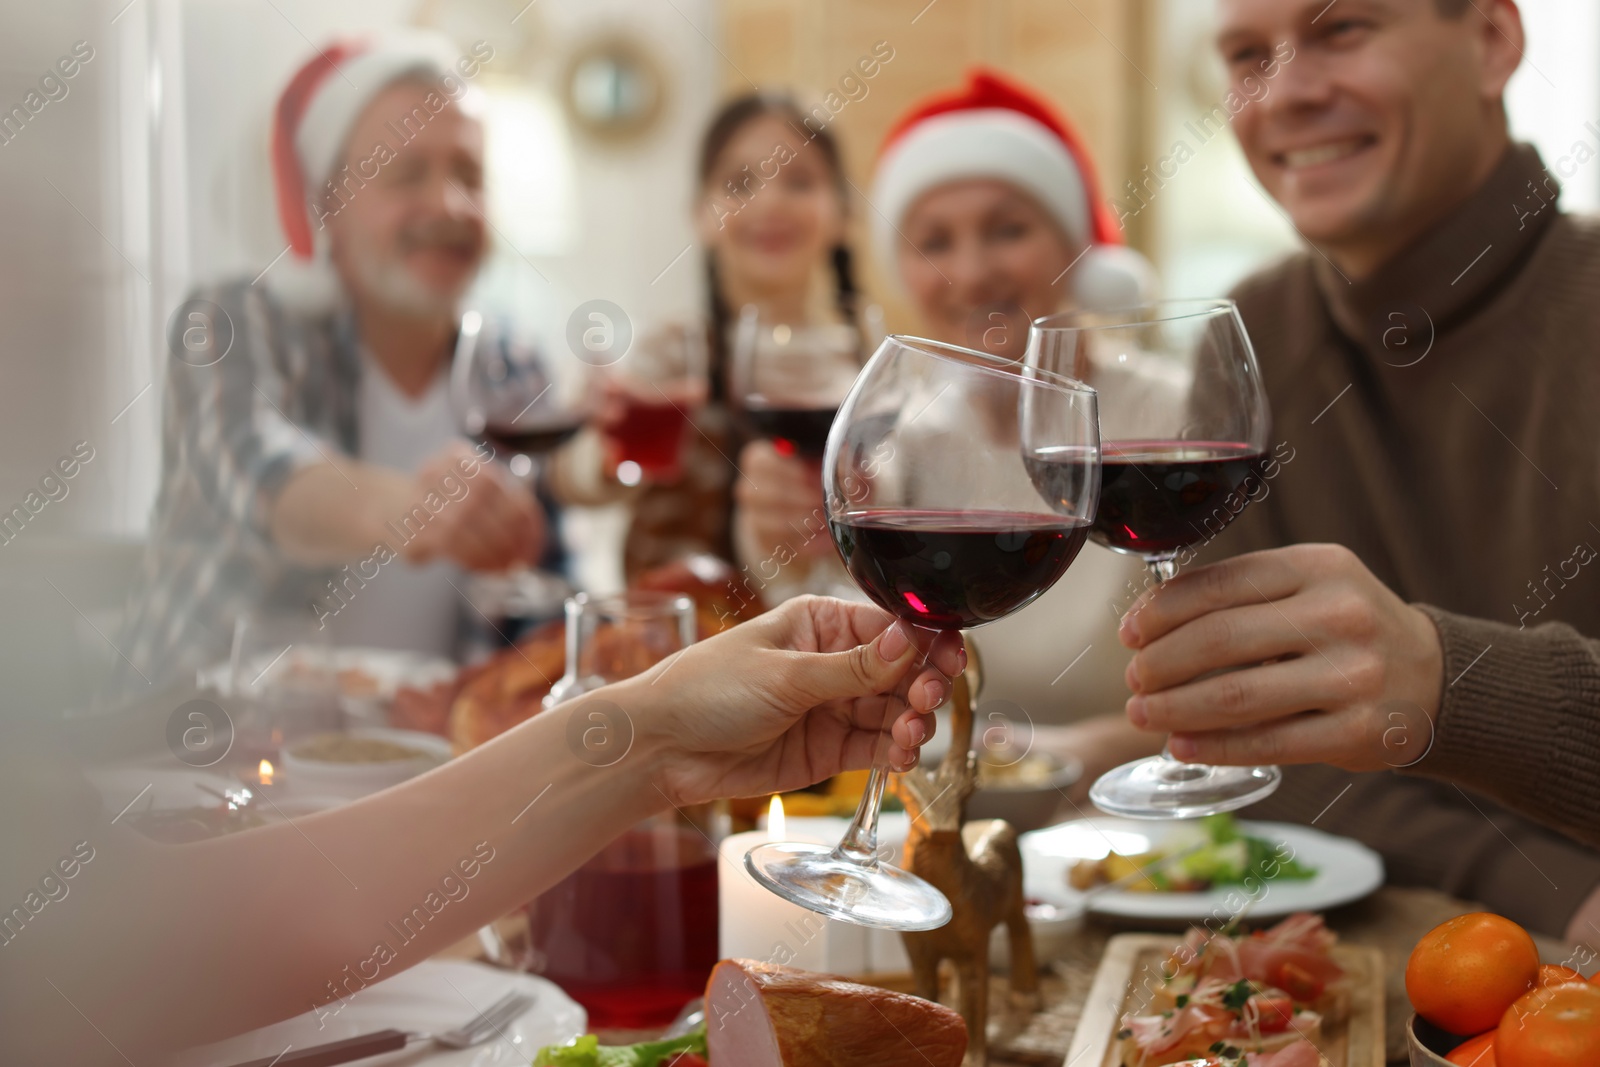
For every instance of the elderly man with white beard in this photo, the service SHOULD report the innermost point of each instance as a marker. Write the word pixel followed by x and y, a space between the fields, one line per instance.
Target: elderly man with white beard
pixel 309 435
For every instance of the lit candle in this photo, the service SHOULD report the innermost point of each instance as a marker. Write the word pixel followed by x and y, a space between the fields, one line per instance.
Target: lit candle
pixel 757 924
pixel 264 772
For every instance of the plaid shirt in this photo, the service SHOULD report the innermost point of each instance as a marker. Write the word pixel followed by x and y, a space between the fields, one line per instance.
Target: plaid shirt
pixel 279 397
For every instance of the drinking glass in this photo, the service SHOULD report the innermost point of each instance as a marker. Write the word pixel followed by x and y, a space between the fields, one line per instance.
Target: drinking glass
pixel 610 638
pixel 959 487
pixel 282 679
pixel 632 934
pixel 522 401
pixel 788 381
pixel 1184 422
pixel 653 391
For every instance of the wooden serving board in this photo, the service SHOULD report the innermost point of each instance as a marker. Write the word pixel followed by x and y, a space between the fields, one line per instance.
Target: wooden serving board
pixel 1119 988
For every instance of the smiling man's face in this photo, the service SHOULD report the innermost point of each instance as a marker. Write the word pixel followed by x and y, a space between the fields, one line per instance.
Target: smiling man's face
pixel 1386 116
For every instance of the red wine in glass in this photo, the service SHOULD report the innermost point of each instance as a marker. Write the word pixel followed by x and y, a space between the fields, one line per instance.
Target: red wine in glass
pixel 799 432
pixel 651 435
pixel 946 572
pixel 1183 439
pixel 530 440
pixel 1157 497
pixel 938 521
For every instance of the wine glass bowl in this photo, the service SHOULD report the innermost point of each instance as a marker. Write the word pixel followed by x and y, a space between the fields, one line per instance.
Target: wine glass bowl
pixel 651 393
pixel 788 381
pixel 1184 426
pixel 932 484
pixel 525 403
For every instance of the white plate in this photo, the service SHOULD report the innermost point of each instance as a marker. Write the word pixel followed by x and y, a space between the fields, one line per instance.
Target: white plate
pixel 389 669
pixel 1346 870
pixel 432 996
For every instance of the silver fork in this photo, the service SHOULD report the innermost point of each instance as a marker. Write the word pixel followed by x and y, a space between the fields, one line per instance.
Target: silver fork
pixel 479 1029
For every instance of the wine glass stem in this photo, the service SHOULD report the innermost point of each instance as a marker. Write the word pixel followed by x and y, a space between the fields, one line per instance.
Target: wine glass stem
pixel 1163 570
pixel 860 842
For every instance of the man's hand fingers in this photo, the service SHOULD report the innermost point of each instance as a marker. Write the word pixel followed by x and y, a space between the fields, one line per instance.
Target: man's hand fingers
pixel 1310 737
pixel 1242 697
pixel 1255 578
pixel 1235 637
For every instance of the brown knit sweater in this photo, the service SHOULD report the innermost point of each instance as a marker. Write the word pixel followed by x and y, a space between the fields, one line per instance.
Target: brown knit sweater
pixel 1443 415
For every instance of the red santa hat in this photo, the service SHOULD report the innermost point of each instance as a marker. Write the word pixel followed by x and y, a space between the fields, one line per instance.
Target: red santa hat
pixel 310 127
pixel 994 128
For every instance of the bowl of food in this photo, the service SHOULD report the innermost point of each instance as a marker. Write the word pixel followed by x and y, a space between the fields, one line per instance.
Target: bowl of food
pixel 1023 789
pixel 360 761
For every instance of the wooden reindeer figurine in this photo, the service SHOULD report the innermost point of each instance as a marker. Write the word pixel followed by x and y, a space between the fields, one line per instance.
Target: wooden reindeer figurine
pixel 978 866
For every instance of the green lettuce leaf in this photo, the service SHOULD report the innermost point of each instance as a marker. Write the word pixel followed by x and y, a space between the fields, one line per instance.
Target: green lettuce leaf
pixel 588 1052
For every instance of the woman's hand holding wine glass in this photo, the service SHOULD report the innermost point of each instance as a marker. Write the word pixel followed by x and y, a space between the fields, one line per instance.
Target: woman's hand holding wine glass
pixel 779 505
pixel 789 683
pixel 939 552
pixel 787 383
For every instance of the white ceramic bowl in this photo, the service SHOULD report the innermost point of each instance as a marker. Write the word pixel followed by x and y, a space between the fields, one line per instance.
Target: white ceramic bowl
pixel 1054 929
pixel 1027 805
pixel 350 780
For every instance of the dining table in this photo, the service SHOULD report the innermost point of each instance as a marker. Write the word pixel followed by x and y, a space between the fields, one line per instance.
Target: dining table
pixel 1390 920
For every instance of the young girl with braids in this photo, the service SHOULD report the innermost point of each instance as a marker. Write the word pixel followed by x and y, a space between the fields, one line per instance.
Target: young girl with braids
pixel 770 217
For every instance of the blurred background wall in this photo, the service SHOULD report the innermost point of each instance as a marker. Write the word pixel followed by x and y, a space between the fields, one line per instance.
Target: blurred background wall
pixel 149 176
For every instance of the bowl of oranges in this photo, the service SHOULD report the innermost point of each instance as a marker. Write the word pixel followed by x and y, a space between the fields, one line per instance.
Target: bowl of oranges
pixel 1483 999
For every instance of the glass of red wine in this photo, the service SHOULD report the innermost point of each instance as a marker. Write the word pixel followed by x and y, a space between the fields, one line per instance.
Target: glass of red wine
pixel 1184 422
pixel 788 381
pixel 651 395
pixel 933 508
pixel 525 403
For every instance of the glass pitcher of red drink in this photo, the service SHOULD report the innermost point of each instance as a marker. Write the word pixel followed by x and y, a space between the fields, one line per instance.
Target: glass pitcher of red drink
pixel 632 934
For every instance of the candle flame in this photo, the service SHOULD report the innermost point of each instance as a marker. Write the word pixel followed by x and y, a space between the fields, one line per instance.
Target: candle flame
pixel 775 827
pixel 265 772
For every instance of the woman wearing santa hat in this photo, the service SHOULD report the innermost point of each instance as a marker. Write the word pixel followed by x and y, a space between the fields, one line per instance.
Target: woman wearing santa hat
pixel 989 215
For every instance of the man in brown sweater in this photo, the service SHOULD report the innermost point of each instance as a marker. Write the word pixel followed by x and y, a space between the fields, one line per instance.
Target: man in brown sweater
pixel 1416 591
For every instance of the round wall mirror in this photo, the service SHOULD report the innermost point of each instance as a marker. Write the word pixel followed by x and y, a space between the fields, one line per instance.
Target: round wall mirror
pixel 613 89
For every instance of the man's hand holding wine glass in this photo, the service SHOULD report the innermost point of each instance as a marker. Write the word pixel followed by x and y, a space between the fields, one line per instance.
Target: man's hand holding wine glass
pixel 1321 661
pixel 494 525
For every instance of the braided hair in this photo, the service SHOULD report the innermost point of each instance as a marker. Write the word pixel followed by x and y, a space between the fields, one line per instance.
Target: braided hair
pixel 724 126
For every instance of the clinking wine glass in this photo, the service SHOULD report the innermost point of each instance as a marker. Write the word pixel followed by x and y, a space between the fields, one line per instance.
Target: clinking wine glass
pixel 1184 426
pixel 944 517
pixel 524 402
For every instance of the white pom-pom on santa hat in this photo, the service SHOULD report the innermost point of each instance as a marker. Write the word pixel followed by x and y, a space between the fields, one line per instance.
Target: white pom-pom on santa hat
pixel 992 128
pixel 310 129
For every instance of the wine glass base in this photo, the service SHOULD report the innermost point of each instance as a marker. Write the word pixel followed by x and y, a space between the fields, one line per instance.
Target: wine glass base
pixel 867 894
pixel 1161 788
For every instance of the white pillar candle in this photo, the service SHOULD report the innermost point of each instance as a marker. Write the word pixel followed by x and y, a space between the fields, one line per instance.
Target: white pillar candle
pixel 754 922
